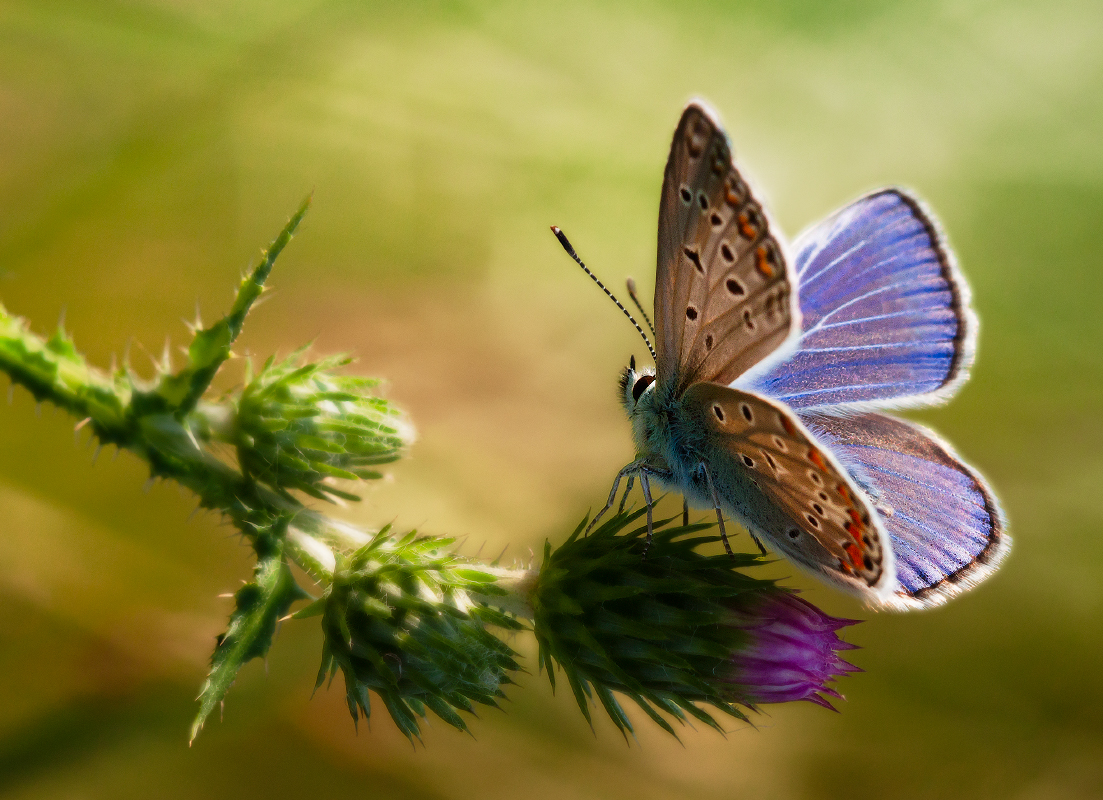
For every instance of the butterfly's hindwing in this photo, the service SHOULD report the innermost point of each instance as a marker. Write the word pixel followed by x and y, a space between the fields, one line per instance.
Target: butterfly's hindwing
pixel 945 525
pixel 828 525
pixel 723 293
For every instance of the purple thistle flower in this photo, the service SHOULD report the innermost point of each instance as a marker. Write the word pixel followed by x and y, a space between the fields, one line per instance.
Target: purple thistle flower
pixel 790 651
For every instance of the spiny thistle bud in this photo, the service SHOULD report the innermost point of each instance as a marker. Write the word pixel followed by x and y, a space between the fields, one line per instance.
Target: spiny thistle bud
pixel 399 620
pixel 676 630
pixel 299 426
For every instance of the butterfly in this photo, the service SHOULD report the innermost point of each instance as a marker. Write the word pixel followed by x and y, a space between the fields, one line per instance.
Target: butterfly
pixel 772 373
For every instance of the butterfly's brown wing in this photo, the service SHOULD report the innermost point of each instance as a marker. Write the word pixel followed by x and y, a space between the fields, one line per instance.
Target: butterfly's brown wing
pixel 724 296
pixel 759 452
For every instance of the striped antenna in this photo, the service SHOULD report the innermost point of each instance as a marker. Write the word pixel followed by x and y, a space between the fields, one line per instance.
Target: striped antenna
pixel 570 251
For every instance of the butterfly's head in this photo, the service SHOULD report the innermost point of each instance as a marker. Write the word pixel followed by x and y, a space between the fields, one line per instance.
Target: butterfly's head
pixel 635 384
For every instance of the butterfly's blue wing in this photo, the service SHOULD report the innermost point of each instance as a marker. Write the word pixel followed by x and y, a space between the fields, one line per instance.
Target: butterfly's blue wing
pixel 944 524
pixel 886 318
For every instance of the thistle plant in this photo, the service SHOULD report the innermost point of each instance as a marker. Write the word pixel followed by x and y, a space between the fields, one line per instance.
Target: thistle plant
pixel 684 632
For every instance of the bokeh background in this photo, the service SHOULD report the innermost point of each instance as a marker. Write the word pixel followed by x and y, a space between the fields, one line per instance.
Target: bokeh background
pixel 150 148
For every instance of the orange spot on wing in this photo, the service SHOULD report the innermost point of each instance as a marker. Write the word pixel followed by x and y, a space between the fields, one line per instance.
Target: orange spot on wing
pixel 854 531
pixel 855 555
pixel 817 459
pixel 843 491
pixel 735 192
pixel 762 262
pixel 787 423
pixel 854 516
pixel 746 229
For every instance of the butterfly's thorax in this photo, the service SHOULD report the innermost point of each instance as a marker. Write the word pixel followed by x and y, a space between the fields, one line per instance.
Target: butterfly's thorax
pixel 668 438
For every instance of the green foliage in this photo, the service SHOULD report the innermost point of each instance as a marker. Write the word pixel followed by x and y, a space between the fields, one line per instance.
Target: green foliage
pixel 210 347
pixel 300 425
pixel 656 629
pixel 259 605
pixel 399 620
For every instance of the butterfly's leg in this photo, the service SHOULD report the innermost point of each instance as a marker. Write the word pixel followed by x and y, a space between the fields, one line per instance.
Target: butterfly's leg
pixel 646 470
pixel 685 511
pixel 630 470
pixel 645 485
pixel 719 513
pixel 627 491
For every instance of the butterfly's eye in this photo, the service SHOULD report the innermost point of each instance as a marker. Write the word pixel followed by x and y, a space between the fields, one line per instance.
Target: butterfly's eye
pixel 641 386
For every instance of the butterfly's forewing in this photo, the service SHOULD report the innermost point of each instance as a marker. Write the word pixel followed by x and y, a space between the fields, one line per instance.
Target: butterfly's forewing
pixel 723 289
pixel 946 528
pixel 886 317
pixel 821 519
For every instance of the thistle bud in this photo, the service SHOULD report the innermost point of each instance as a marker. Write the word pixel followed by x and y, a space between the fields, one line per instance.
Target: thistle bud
pixel 300 426
pixel 401 619
pixel 678 630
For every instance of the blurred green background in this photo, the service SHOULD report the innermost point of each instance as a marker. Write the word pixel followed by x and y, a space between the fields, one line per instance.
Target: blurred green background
pixel 149 148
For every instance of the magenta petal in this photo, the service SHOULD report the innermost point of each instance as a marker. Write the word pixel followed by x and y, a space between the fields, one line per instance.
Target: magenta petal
pixel 815 698
pixel 846 667
pixel 790 653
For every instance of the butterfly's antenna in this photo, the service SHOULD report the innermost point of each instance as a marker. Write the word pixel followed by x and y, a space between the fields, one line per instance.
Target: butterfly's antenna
pixel 570 251
pixel 636 300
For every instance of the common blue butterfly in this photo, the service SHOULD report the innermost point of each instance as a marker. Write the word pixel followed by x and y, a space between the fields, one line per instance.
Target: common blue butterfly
pixel 770 374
